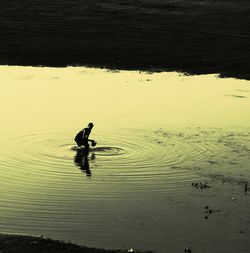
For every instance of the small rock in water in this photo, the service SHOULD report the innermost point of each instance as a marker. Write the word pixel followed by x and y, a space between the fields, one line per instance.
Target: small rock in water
pixel 130 250
pixel 187 250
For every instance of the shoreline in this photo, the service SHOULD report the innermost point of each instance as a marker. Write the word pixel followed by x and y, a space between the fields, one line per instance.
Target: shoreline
pixel 40 244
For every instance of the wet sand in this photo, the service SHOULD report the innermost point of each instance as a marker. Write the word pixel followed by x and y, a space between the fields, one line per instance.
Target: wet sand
pixel 21 243
pixel 188 36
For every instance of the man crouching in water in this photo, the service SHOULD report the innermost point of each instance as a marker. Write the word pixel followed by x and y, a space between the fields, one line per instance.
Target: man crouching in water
pixel 81 158
pixel 82 138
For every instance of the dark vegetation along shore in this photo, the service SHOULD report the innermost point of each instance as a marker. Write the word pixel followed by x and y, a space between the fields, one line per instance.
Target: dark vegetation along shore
pixel 29 244
pixel 205 36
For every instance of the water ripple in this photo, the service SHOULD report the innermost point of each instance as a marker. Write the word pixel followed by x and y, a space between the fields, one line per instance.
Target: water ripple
pixel 150 158
pixel 39 174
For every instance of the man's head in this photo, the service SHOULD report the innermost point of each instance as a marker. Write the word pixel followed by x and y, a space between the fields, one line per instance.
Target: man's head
pixel 90 125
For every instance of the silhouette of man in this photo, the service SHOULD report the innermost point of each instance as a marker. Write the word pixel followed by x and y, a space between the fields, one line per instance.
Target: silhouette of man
pixel 82 138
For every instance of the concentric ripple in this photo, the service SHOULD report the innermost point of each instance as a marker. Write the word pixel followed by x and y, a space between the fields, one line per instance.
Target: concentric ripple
pixel 47 185
pixel 103 151
pixel 149 159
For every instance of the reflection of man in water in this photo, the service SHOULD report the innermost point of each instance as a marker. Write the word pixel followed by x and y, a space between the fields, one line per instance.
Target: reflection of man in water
pixel 81 160
pixel 82 138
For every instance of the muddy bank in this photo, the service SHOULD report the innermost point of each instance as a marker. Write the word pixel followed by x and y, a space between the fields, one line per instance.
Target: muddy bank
pixel 188 36
pixel 29 244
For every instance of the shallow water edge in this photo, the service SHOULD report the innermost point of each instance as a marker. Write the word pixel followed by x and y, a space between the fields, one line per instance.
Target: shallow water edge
pixel 39 244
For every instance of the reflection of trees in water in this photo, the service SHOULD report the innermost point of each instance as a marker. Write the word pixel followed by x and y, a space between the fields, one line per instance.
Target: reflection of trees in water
pixel 81 160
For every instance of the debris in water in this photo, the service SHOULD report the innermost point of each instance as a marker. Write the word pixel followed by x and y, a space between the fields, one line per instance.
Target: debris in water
pixel 210 211
pixel 200 185
pixel 246 188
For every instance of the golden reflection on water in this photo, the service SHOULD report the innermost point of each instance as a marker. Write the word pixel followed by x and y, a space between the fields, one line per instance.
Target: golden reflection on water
pixel 31 96
pixel 156 133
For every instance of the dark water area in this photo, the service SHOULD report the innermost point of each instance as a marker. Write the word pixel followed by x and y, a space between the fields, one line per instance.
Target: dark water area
pixel 189 36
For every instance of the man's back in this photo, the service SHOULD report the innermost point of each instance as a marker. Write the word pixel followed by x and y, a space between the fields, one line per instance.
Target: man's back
pixel 79 138
pixel 82 137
